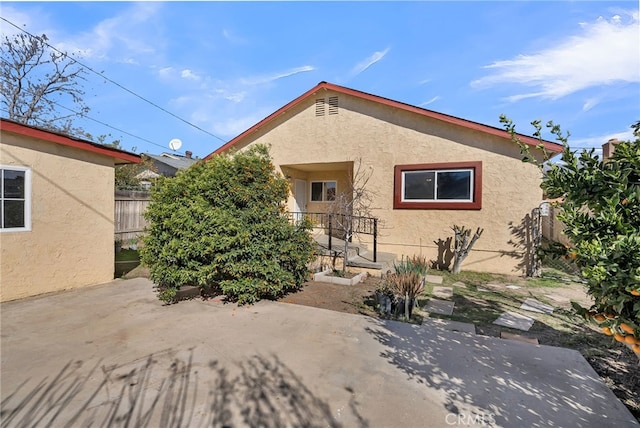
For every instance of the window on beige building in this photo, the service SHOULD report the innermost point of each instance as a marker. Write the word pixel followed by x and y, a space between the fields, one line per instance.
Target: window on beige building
pixel 438 186
pixel 15 198
pixel 323 191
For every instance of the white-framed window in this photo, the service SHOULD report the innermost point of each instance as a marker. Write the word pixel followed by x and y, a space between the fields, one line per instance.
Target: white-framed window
pixel 15 198
pixel 454 185
pixel 323 191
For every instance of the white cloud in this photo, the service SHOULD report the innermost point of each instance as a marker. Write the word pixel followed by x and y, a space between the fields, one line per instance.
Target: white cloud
pixel 598 141
pixel 235 125
pixel 189 75
pixel 262 79
pixel 432 100
pixel 120 37
pixel 166 73
pixel 231 37
pixel 603 52
pixel 22 20
pixel 369 61
pixel 590 103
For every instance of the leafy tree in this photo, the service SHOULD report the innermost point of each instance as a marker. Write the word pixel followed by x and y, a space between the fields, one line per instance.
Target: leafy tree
pixel 36 81
pixel 221 222
pixel 600 209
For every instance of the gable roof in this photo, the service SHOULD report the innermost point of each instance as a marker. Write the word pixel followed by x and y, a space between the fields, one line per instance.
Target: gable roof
pixel 174 161
pixel 550 146
pixel 119 156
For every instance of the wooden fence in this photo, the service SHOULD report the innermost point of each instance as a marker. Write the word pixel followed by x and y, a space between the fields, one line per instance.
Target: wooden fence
pixel 129 219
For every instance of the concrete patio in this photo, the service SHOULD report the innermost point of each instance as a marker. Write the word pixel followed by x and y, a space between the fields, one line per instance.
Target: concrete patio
pixel 113 355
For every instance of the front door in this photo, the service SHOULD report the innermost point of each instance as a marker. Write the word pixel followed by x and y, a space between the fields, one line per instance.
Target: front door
pixel 300 196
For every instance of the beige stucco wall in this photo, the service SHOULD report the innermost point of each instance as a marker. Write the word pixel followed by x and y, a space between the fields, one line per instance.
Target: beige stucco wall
pixel 384 137
pixel 71 239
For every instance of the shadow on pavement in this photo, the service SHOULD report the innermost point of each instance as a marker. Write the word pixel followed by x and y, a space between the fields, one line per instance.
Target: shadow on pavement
pixel 157 391
pixel 492 382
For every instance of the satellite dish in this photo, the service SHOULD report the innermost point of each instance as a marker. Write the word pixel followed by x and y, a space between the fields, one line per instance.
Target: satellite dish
pixel 175 144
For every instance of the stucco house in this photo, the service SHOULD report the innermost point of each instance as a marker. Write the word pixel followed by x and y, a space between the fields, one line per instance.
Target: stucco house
pixel 428 170
pixel 164 164
pixel 57 217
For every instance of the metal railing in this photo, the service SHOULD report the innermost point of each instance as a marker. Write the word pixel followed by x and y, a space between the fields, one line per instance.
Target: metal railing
pixel 335 224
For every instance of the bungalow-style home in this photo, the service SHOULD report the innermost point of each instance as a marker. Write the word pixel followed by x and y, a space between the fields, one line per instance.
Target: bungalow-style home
pixel 166 164
pixel 57 211
pixel 428 171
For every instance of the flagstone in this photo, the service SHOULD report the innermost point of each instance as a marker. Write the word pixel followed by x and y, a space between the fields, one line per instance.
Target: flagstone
pixel 442 307
pixel 534 305
pixel 515 320
pixel 442 292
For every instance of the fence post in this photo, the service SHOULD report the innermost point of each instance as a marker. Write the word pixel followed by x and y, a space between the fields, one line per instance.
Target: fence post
pixel 330 231
pixel 375 240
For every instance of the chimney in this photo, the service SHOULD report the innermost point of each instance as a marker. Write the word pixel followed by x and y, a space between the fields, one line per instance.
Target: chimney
pixel 188 154
pixel 608 148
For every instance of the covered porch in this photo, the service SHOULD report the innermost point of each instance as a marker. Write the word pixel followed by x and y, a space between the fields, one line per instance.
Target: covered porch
pixel 321 192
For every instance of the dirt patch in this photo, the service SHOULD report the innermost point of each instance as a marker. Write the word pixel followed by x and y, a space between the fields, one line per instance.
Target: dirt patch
pixel 352 299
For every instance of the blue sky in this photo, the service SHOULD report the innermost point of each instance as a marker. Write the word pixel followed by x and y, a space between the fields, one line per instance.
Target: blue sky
pixel 223 66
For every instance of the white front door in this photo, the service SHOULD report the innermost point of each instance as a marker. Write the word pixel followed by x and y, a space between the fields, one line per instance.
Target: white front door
pixel 300 196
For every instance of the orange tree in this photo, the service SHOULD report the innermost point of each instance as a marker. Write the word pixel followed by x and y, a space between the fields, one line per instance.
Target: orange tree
pixel 600 209
pixel 221 223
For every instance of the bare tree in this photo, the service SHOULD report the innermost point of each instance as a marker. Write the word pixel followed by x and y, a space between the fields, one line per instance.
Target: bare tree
pixel 39 83
pixel 462 245
pixel 353 203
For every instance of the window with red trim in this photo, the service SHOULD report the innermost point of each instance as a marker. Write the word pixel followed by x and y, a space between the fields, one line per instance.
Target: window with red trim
pixel 454 186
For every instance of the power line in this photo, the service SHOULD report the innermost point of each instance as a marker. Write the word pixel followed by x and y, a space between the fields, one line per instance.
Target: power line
pixel 115 83
pixel 101 123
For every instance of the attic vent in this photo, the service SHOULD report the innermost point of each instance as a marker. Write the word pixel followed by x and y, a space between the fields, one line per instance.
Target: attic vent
pixel 320 107
pixel 333 105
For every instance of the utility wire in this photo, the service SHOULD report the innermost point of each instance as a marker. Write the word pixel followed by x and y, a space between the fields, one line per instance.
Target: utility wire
pixel 101 123
pixel 115 83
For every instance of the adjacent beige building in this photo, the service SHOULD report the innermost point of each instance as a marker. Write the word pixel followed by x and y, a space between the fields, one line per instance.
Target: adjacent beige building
pixel 57 218
pixel 429 171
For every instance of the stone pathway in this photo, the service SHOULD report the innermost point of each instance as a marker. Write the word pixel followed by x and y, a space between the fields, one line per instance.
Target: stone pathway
pixel 440 303
pixel 442 292
pixel 534 305
pixel 518 338
pixel 450 325
pixel 433 279
pixel 515 320
pixel 442 307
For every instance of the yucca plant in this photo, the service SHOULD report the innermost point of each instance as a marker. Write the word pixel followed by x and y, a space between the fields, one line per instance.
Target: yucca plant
pixel 415 264
pixel 408 281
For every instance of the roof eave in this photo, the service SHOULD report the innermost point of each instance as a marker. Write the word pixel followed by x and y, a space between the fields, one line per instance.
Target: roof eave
pixel 531 141
pixel 119 156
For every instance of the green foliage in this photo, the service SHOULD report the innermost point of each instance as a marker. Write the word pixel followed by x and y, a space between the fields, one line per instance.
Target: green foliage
pixel 417 265
pixel 600 209
pixel 407 282
pixel 221 222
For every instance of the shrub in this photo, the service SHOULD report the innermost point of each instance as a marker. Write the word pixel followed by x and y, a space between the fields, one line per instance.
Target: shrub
pixel 601 212
pixel 221 223
pixel 407 282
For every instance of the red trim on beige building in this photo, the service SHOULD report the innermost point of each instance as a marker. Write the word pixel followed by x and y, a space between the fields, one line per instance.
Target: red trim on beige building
pixel 53 137
pixel 548 145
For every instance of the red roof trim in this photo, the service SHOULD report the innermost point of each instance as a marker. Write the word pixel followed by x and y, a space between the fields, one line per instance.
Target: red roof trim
pixel 548 145
pixel 53 137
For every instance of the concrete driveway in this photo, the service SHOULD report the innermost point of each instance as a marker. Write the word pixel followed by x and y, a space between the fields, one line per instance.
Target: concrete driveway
pixel 113 355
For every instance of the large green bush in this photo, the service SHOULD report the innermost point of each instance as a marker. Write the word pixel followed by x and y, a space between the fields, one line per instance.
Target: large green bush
pixel 221 223
pixel 600 209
